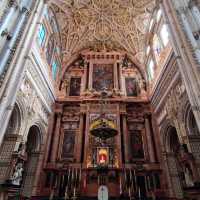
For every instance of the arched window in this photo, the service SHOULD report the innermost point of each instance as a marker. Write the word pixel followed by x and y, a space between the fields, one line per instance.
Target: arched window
pixel 41 34
pixel 150 69
pixel 54 69
pixel 158 16
pixel 164 34
pixel 192 125
pixel 50 49
pixel 157 47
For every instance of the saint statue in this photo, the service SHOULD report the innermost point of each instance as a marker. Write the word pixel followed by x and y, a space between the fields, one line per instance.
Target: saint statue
pixel 188 177
pixel 17 175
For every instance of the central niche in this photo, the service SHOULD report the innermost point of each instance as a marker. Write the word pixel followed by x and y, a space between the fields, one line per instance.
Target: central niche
pixel 103 77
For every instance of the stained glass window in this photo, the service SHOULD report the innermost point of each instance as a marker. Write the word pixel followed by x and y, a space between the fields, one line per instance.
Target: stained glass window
pixel 158 16
pixel 157 47
pixel 50 48
pixel 151 69
pixel 164 34
pixel 41 34
pixel 54 69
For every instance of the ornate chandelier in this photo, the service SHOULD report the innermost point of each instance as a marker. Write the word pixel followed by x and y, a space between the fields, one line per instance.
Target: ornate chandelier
pixel 103 127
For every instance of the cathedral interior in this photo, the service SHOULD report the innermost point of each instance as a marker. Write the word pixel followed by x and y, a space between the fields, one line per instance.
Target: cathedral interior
pixel 99 99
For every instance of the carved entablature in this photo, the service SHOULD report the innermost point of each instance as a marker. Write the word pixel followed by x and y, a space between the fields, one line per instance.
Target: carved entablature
pixel 71 113
pixel 107 108
pixel 94 72
pixel 135 126
pixel 103 55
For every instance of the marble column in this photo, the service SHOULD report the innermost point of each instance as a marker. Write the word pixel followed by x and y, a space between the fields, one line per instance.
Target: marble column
pixel 149 138
pixel 188 30
pixel 56 136
pixel 187 63
pixel 116 83
pixel 8 16
pixel 85 78
pixel 195 12
pixel 8 91
pixel 80 139
pixel 51 126
pixel 126 139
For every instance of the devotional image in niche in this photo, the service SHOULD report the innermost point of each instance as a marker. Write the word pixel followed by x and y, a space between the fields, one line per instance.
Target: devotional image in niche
pixel 103 77
pixel 131 87
pixel 75 86
pixel 68 144
pixel 136 145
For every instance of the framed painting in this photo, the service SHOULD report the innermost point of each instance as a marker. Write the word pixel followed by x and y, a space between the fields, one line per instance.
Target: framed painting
pixel 75 86
pixel 68 144
pixel 131 87
pixel 103 77
pixel 136 145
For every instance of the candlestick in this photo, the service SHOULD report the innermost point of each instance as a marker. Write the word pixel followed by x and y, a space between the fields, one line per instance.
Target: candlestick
pixel 139 193
pixel 66 193
pixel 131 178
pixel 74 192
pixel 51 194
pixel 135 178
pixel 68 177
pixel 120 184
pixel 125 178
pixel 129 192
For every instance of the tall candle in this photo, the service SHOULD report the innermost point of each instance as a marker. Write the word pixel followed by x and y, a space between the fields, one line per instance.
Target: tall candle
pixel 139 193
pixel 120 184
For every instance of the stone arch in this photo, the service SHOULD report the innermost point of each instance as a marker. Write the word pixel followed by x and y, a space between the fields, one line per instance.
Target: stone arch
pixel 34 139
pixel 34 143
pixel 11 141
pixel 190 121
pixel 171 146
pixel 15 120
pixel 172 140
pixel 165 126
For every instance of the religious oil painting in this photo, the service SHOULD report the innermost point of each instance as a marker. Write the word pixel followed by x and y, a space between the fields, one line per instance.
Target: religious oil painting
pixel 103 77
pixel 68 144
pixel 75 86
pixel 131 87
pixel 136 145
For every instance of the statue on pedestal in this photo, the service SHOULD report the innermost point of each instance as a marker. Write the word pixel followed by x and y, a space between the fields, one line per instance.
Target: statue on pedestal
pixel 17 175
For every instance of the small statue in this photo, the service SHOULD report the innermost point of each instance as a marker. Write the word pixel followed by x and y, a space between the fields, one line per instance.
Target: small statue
pixel 17 175
pixel 22 149
pixel 188 177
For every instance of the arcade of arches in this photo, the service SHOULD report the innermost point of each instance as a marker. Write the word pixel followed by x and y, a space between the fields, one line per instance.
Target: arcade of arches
pixel 100 99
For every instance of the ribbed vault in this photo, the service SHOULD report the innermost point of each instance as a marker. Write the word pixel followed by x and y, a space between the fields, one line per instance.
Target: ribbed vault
pixel 102 24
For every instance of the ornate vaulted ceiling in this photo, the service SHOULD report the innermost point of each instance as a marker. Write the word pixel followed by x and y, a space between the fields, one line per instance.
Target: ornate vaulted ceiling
pixel 114 24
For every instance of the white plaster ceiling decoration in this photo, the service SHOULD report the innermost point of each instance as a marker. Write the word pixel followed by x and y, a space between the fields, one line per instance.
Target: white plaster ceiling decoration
pixel 87 23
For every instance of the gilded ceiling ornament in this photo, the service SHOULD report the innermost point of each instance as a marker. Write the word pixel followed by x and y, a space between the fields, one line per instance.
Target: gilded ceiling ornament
pixel 102 4
pixel 115 23
pixel 103 30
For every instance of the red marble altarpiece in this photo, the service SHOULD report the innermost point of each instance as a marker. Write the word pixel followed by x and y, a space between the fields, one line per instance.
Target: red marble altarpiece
pixel 73 154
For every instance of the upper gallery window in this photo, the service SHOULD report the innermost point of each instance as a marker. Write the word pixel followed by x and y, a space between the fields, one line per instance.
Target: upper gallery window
pixel 164 34
pixel 148 50
pixel 54 69
pixel 50 49
pixel 157 47
pixel 151 69
pixel 151 24
pixel 158 16
pixel 41 35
